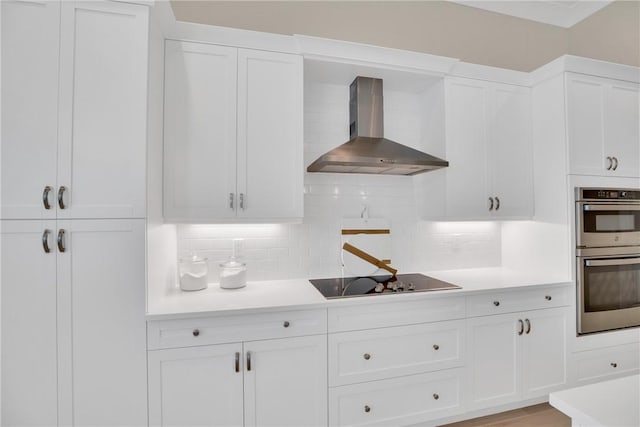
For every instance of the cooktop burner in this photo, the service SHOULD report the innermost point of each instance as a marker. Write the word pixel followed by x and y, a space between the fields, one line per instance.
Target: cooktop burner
pixel 343 287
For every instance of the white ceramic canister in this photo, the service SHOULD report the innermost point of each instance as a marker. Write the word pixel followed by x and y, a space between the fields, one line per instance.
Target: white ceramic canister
pixel 193 273
pixel 233 274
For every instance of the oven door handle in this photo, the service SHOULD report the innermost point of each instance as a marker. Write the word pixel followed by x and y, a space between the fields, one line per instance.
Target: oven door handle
pixel 620 207
pixel 612 261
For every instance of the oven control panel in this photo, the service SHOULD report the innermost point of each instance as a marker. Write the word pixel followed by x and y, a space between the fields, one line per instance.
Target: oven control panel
pixel 608 194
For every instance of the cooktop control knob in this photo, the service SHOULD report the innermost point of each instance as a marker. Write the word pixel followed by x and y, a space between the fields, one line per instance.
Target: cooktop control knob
pixel 411 287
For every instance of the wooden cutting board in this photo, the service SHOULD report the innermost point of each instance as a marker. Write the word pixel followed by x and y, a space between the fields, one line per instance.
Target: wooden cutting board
pixel 371 235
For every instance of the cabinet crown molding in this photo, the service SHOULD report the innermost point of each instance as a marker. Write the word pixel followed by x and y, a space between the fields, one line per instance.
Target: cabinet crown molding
pixel 589 66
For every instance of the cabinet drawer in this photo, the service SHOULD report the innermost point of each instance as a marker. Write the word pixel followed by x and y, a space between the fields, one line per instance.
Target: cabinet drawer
pixel 386 314
pixel 517 300
pixel 225 329
pixel 399 401
pixel 611 361
pixel 389 352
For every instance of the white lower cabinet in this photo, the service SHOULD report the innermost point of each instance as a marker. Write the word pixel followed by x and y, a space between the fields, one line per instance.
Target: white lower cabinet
pixel 73 326
pixel 516 356
pixel 605 363
pixel 397 401
pixel 273 382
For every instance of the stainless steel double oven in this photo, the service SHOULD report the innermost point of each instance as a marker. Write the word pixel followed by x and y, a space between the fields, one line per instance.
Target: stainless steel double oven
pixel 607 258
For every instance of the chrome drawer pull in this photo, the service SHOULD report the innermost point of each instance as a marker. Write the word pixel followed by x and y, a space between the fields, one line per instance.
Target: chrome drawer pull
pixel 615 164
pixel 45 197
pixel 367 408
pixel 45 241
pixel 196 332
pixel 436 396
pixel 61 247
pixel 521 330
pixel 367 356
pixel 61 197
pixel 614 364
pixel 286 324
pixel 490 203
pixel 231 197
pixel 528 326
pixel 436 347
pixel 496 303
pixel 237 364
pixel 497 203
pixel 248 360
pixel 548 297
pixel 610 160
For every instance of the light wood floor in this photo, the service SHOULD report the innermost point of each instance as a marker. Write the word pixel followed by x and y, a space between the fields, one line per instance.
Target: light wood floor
pixel 531 416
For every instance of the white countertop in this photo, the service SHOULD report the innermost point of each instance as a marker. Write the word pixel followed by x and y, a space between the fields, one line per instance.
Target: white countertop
pixel 301 294
pixel 608 403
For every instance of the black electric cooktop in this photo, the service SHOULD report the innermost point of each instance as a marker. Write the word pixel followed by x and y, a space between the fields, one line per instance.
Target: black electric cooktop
pixel 343 287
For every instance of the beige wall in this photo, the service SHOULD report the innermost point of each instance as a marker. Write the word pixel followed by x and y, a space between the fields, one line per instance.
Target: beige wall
pixel 435 27
pixel 612 34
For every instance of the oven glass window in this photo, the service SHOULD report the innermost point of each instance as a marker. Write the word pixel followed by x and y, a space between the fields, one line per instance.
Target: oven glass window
pixel 611 287
pixel 611 221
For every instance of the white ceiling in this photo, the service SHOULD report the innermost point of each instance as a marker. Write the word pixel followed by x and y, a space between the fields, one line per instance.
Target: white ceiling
pixel 560 13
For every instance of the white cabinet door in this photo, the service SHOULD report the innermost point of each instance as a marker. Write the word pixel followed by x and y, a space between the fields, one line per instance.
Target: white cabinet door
pixel 196 386
pixel 101 323
pixel 493 355
pixel 270 135
pixel 622 124
pixel 29 107
pixel 466 126
pixel 29 382
pixel 510 152
pixel 544 365
pixel 286 384
pixel 199 132
pixel 102 110
pixel 602 122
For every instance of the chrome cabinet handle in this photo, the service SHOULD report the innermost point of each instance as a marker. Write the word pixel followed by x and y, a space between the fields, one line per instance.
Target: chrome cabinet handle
pixel 528 326
pixel 196 332
pixel 436 396
pixel 242 204
pixel 367 356
pixel 61 191
pixel 548 297
pixel 61 247
pixel 248 360
pixel 497 203
pixel 231 197
pixel 496 303
pixel 436 347
pixel 237 364
pixel 490 203
pixel 45 197
pixel 45 241
pixel 610 160
pixel 367 408
pixel 286 324
pixel 521 330
pixel 615 163
pixel 614 364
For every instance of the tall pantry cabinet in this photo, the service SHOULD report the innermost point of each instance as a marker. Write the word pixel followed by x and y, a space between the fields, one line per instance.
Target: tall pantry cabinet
pixel 74 80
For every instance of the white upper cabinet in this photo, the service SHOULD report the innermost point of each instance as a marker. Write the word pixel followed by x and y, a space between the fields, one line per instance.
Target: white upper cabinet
pixel 233 134
pixel 488 134
pixel 603 124
pixel 30 44
pixel 74 110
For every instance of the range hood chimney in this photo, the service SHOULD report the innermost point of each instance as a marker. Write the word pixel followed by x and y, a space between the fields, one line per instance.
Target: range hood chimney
pixel 368 151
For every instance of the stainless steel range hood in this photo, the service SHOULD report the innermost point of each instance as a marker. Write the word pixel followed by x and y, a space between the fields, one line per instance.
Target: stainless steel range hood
pixel 368 151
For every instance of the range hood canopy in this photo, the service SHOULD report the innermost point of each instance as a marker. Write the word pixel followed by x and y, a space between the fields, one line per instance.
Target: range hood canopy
pixel 368 151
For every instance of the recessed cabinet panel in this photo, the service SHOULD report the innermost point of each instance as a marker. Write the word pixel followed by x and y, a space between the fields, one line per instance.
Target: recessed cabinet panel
pixel 29 367
pixel 103 110
pixel 196 386
pixel 466 118
pixel 603 124
pixel 101 322
pixel 30 48
pixel 286 382
pixel 270 137
pixel 199 131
